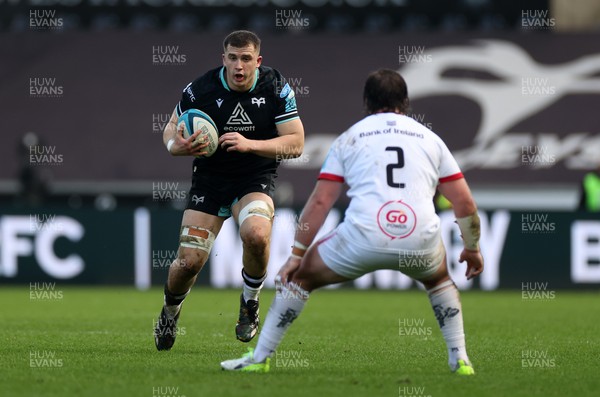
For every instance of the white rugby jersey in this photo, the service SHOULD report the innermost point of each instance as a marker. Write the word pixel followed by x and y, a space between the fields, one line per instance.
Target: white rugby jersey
pixel 392 165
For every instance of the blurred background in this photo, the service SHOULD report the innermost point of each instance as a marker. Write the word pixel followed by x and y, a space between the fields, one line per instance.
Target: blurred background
pixel 89 195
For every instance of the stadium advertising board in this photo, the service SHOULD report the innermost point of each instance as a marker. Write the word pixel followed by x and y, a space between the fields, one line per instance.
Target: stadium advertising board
pixel 71 247
pixel 557 249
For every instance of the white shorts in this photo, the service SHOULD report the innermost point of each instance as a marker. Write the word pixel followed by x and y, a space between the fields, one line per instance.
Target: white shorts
pixel 346 257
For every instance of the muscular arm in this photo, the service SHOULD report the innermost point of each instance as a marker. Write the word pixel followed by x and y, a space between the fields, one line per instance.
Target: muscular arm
pixel 170 129
pixel 289 143
pixel 466 213
pixel 316 209
pixel 312 218
pixel 459 194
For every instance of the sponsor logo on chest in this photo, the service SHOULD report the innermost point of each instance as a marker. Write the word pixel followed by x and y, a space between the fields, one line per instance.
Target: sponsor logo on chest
pixel 239 121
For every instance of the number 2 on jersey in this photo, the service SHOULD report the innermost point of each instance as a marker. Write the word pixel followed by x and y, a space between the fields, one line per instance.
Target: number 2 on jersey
pixel 391 167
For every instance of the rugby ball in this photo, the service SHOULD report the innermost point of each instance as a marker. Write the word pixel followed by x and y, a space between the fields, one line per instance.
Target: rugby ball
pixel 195 120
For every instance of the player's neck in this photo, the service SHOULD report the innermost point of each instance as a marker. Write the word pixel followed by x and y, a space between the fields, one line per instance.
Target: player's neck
pixel 397 111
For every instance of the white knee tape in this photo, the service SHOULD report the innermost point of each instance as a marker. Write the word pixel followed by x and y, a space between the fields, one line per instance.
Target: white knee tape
pixel 255 208
pixel 197 238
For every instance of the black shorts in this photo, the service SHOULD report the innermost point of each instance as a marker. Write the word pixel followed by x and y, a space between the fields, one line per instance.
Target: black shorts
pixel 215 195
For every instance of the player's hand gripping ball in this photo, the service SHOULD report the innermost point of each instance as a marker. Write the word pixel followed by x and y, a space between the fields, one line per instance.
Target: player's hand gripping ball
pixel 195 120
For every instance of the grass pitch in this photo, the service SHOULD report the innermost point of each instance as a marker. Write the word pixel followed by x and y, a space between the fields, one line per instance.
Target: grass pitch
pixel 98 342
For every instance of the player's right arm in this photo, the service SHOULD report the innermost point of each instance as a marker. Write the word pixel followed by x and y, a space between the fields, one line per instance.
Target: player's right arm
pixel 320 202
pixel 458 193
pixel 326 192
pixel 181 146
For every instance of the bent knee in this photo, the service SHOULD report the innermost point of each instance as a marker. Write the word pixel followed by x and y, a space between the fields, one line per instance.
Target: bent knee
pixel 195 244
pixel 191 260
pixel 256 238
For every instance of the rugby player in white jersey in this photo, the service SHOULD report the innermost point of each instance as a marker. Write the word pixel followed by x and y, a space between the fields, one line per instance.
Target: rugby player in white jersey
pixel 393 166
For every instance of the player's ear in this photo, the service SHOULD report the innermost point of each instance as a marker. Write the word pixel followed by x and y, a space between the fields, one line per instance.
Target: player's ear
pixel 258 60
pixel 223 59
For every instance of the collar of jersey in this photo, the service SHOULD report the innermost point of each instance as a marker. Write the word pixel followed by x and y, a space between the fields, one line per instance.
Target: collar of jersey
pixel 224 82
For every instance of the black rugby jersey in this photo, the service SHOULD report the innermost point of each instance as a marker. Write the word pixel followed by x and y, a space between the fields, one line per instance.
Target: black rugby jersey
pixel 254 114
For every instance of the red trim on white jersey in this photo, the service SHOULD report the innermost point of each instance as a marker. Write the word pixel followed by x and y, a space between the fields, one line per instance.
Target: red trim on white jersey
pixel 451 177
pixel 331 177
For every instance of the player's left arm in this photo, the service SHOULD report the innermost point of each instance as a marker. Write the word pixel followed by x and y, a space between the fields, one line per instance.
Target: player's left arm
pixel 289 143
pixel 465 209
pixel 455 188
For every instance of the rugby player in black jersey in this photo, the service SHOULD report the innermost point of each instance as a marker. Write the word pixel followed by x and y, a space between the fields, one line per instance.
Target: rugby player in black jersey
pixel 258 124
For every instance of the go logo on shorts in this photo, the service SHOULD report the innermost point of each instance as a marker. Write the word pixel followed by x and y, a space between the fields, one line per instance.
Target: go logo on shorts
pixel 396 219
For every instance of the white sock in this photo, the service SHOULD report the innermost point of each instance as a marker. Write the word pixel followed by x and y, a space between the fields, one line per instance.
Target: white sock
pixel 251 293
pixel 252 286
pixel 286 307
pixel 445 302
pixel 172 310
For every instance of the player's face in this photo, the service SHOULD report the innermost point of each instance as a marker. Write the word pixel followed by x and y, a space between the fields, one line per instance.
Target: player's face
pixel 240 65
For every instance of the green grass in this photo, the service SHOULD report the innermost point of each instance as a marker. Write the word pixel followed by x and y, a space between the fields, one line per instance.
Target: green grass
pixel 346 343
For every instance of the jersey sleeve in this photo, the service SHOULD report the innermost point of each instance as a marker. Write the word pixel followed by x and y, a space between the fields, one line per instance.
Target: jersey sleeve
pixel 333 167
pixel 187 99
pixel 285 109
pixel 448 169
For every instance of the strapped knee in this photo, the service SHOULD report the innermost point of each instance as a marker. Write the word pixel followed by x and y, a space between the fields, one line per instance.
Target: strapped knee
pixel 256 208
pixel 197 238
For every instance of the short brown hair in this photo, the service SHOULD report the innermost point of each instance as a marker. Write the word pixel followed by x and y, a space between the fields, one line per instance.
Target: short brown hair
pixel 385 91
pixel 242 38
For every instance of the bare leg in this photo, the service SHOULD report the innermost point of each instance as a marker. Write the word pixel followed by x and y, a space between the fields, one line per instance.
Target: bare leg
pixel 198 232
pixel 184 270
pixel 254 212
pixel 255 232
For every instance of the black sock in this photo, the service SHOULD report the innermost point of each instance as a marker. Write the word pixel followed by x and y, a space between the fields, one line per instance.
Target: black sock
pixel 253 282
pixel 174 300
